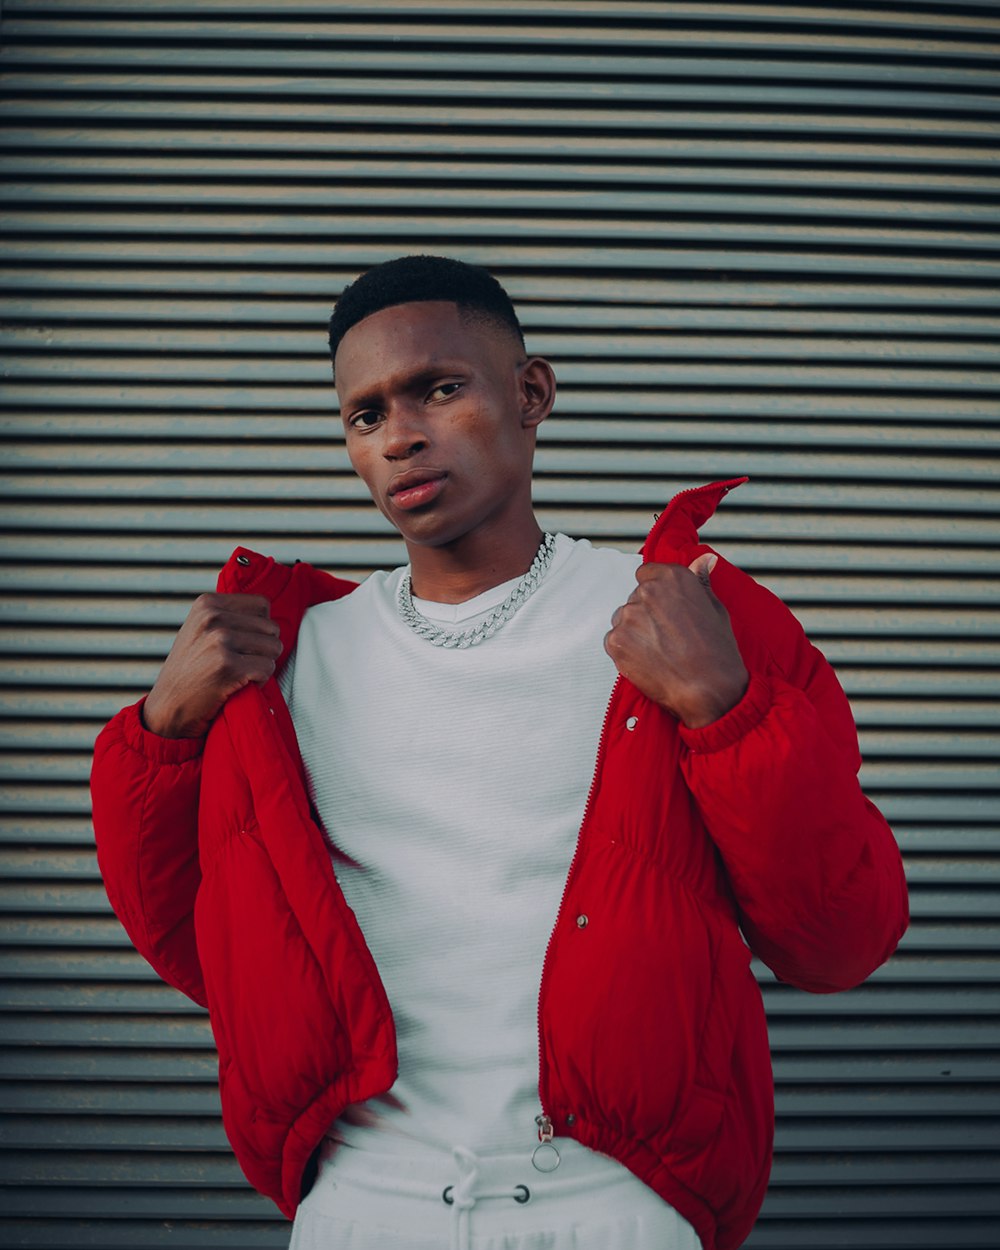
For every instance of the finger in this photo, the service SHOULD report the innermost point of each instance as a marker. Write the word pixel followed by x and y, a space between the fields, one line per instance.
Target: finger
pixel 245 670
pixel 245 605
pixel 702 568
pixel 255 644
pixel 652 570
pixel 257 626
pixel 219 613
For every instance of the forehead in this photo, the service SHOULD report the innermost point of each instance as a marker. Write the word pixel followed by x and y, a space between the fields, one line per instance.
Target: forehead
pixel 405 338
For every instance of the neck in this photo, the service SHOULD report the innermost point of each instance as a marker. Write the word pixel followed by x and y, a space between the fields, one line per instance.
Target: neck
pixel 472 564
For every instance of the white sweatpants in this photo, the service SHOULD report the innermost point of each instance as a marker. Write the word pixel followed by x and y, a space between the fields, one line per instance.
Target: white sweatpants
pixel 463 1201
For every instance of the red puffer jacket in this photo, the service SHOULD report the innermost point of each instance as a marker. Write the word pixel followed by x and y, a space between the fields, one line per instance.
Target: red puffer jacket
pixel 652 1038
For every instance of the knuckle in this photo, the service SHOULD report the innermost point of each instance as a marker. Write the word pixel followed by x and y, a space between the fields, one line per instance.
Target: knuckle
pixel 259 672
pixel 204 604
pixel 227 662
pixel 227 638
pixel 614 641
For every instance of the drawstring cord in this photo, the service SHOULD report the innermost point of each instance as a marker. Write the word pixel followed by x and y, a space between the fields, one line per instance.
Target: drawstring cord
pixel 464 1195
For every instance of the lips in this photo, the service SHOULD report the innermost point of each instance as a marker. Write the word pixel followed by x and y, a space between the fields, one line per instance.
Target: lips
pixel 416 487
pixel 413 477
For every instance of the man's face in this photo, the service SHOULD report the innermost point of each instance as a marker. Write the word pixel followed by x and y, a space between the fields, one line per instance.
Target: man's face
pixel 439 416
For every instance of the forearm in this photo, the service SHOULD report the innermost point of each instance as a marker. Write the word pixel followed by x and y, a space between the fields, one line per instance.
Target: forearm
pixel 813 865
pixel 145 793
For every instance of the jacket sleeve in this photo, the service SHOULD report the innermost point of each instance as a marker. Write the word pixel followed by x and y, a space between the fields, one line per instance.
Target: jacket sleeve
pixel 144 790
pixel 813 864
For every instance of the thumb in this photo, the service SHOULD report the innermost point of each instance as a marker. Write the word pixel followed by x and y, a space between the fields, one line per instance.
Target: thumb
pixel 702 568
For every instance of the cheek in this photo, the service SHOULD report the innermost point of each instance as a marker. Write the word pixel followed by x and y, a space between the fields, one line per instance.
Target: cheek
pixel 498 442
pixel 357 455
pixel 361 462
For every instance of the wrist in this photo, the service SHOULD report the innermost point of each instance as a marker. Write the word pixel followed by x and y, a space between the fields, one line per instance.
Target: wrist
pixel 710 702
pixel 737 723
pixel 167 724
pixel 152 746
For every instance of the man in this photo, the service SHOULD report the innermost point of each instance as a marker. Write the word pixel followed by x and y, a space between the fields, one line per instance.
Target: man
pixel 576 1048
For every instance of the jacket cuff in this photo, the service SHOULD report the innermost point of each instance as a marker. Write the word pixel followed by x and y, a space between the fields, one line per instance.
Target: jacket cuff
pixel 156 749
pixel 739 720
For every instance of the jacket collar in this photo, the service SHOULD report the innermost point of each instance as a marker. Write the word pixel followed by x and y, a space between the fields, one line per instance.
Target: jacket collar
pixel 294 588
pixel 291 588
pixel 674 536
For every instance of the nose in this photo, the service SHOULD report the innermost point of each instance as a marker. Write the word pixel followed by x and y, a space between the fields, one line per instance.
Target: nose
pixel 405 435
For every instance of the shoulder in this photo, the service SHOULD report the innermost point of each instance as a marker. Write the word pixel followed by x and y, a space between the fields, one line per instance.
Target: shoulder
pixel 584 577
pixel 582 555
pixel 366 600
pixel 764 625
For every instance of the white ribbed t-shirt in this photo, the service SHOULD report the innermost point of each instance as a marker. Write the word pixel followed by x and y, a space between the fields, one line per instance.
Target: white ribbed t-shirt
pixel 453 783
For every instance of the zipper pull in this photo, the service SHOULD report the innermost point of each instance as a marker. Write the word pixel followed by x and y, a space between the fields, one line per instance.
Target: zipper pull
pixel 545 1157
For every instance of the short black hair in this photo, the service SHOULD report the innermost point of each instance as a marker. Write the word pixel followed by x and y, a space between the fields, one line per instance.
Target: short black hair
pixel 416 279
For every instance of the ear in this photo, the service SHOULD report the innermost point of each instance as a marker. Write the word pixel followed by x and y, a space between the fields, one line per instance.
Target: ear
pixel 537 386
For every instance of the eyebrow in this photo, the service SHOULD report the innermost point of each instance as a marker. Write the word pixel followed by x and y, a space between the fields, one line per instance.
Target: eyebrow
pixel 407 382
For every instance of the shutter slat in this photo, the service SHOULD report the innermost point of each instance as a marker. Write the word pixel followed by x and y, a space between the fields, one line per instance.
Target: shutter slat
pixel 849 117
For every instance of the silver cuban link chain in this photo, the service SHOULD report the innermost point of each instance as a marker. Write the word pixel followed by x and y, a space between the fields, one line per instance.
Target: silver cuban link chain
pixel 501 614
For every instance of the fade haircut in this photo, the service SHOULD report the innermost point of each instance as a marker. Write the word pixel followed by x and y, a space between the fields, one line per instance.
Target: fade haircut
pixel 418 279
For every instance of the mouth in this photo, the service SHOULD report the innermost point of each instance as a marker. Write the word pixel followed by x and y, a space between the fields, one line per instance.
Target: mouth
pixel 416 487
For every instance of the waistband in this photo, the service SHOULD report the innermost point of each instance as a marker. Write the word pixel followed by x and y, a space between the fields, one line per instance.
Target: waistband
pixel 458 1179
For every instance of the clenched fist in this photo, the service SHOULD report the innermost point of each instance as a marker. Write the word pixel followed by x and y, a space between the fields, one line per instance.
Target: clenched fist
pixel 226 642
pixel 674 642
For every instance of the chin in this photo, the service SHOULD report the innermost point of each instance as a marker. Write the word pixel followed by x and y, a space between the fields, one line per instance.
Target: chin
pixel 433 534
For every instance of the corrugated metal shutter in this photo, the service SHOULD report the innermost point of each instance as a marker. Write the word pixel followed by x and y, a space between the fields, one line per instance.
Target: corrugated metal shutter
pixel 754 238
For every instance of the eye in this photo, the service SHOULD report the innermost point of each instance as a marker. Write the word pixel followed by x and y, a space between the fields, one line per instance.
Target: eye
pixel 365 420
pixel 444 389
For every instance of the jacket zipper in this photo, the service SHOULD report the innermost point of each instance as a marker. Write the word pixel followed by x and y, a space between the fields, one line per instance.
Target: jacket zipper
pixel 544 1121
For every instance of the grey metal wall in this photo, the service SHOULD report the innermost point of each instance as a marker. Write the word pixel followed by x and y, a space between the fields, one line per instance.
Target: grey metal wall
pixel 754 238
